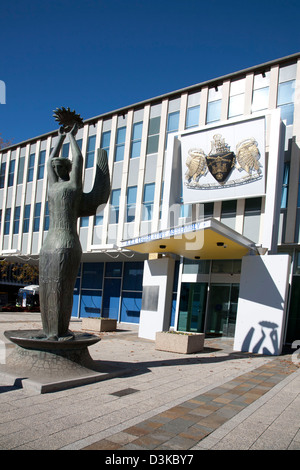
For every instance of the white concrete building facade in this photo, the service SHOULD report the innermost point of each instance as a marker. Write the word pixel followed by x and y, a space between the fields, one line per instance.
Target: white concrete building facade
pixel 176 244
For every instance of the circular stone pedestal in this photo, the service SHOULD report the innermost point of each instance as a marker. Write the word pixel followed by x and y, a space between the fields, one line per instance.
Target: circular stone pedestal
pixel 38 354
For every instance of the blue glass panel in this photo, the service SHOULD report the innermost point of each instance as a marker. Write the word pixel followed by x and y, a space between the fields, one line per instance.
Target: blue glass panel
pixel 131 200
pixel 131 194
pixel 173 309
pixel 98 219
pixel 89 162
pixel 16 220
pixel 41 164
pixel 37 213
pixel 113 269
pixel 135 149
pixel 115 197
pixel 26 219
pixel 119 156
pixel 84 221
pixel 90 305
pixel 137 131
pixel 105 141
pixel 192 116
pixel 91 143
pixel 149 192
pixel 173 122
pixel 2 174
pixel 31 167
pixel 46 221
pixel 131 307
pixel 7 221
pixel 133 276
pixel 286 92
pixel 121 133
pixel 11 172
pixel 287 113
pixel 111 298
pixel 92 275
pixel 284 194
pixel 65 150
pixel 76 298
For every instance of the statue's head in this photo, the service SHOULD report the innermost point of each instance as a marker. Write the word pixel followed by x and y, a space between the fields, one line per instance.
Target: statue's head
pixel 62 167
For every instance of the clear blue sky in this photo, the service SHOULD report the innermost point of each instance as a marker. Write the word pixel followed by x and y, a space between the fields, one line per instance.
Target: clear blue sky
pixel 99 55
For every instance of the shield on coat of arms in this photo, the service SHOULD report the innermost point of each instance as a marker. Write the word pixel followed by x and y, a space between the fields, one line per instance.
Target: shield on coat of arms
pixel 220 160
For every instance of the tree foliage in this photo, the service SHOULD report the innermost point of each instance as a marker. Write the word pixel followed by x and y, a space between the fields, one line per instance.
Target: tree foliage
pixel 24 273
pixel 5 143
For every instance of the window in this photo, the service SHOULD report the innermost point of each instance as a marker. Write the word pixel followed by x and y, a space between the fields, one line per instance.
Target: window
pixel 236 98
pixel 7 221
pixel 30 168
pixel 89 161
pixel 105 141
pixel 153 135
pixel 41 167
pixel 286 92
pixel 120 144
pixel 11 172
pixel 208 209
pixel 2 174
pixel 214 104
pixel 193 110
pixel 185 210
pixel 132 292
pixel 173 123
pixel 285 186
pixel 228 213
pixel 98 219
pixel 36 218
pixel 26 219
pixel 21 170
pixel 285 101
pixel 16 220
pixel 136 140
pixel 65 150
pixel 148 201
pixel 84 221
pixel 192 116
pixel 46 217
pixel 114 209
pixel 260 97
pixel 131 203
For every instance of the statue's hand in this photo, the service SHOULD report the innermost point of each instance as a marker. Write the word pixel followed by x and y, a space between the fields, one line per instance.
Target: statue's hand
pixel 61 131
pixel 74 129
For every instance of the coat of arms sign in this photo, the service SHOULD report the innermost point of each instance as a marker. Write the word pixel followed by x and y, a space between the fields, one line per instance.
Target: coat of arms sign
pixel 220 163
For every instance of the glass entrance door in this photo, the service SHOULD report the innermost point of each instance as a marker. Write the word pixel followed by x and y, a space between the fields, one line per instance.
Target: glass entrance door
pixel 192 306
pixel 222 309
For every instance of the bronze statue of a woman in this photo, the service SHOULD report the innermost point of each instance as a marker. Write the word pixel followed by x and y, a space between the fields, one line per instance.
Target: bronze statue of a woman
pixel 61 252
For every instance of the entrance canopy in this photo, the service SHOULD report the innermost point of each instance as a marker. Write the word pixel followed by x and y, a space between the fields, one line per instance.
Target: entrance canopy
pixel 209 239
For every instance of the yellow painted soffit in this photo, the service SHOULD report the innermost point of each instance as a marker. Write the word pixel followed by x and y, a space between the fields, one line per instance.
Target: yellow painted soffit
pixel 205 243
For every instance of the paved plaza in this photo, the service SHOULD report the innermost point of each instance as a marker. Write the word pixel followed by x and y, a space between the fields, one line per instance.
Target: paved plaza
pixel 217 399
